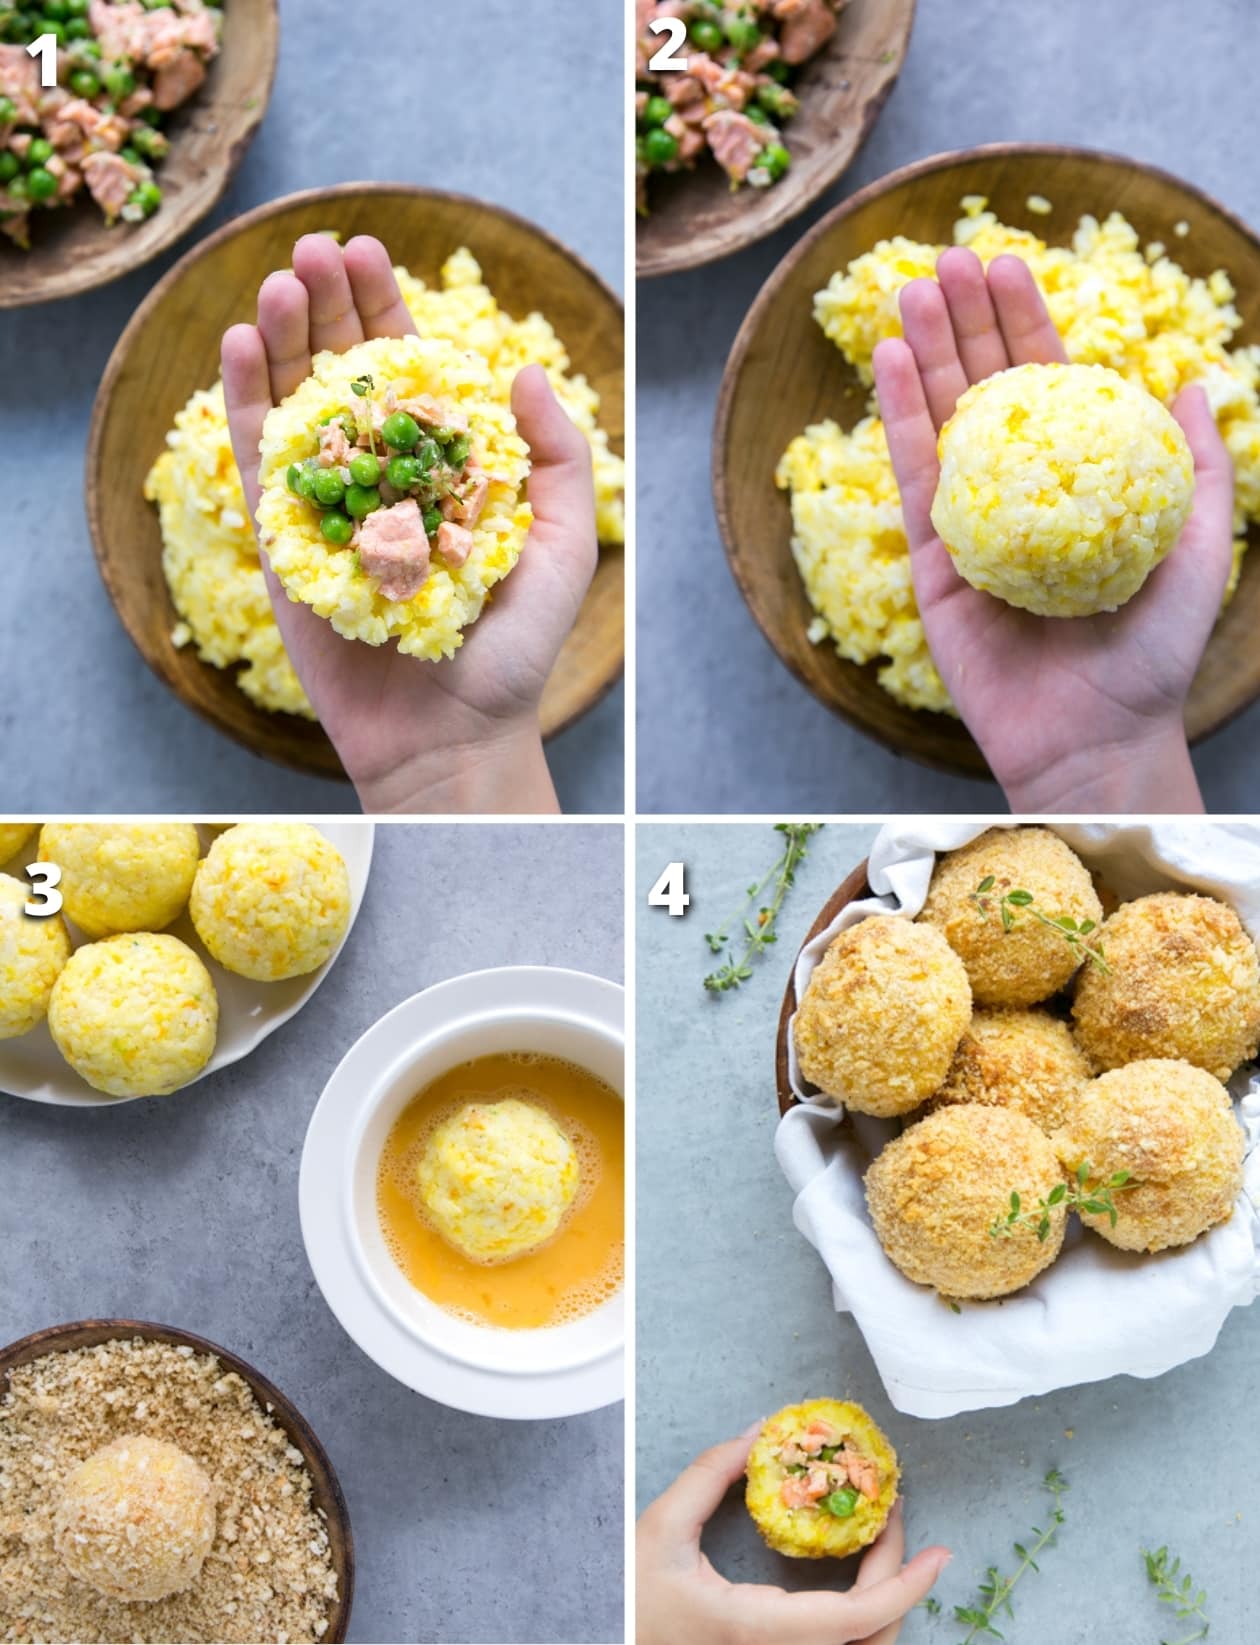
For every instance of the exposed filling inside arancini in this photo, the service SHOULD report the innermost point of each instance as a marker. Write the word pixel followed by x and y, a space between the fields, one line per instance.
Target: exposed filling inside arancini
pixel 825 1472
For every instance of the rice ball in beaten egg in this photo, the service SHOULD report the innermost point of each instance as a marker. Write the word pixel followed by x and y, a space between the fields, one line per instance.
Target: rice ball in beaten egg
pixel 13 836
pixel 822 1480
pixel 497 1178
pixel 1028 962
pixel 122 876
pixel 1023 1060
pixel 135 1016
pixel 271 900
pixel 1062 487
pixel 882 1016
pixel 936 1191
pixel 1172 1128
pixel 136 1520
pixel 1182 981
pixel 33 953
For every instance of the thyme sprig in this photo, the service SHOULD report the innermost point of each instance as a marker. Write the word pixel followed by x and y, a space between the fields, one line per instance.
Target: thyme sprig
pixel 759 927
pixel 1096 1201
pixel 1163 1571
pixel 1074 932
pixel 996 1590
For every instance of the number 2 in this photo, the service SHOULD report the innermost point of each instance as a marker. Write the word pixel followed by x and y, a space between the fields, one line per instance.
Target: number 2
pixel 670 891
pixel 664 58
pixel 45 48
pixel 45 876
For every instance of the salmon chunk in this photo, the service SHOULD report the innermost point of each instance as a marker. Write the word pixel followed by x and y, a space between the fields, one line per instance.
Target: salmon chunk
pixel 393 548
pixel 807 27
pixel 736 142
pixel 454 542
pixel 19 81
pixel 176 81
pixel 111 180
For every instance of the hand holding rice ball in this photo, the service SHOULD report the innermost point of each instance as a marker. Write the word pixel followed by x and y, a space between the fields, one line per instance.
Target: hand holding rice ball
pixel 822 1480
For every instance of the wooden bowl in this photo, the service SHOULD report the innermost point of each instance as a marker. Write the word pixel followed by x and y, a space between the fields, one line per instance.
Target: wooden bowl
pixel 171 348
pixel 694 217
pixel 72 250
pixel 849 890
pixel 326 1492
pixel 783 373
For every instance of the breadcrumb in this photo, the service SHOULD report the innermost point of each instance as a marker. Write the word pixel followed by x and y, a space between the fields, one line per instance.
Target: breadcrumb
pixel 1023 1060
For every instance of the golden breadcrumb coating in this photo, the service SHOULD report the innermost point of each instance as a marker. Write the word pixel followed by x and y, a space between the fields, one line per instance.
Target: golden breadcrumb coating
pixel 882 1015
pixel 1029 962
pixel 1172 1127
pixel 1183 981
pixel 936 1191
pixel 810 1531
pixel 1019 1059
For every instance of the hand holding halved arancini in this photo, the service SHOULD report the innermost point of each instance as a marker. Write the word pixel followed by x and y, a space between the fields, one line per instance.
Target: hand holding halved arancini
pixel 882 1016
pixel 822 1480
pixel 1025 1060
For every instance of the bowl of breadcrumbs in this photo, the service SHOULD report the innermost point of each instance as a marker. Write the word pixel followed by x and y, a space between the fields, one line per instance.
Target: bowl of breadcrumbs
pixel 155 1487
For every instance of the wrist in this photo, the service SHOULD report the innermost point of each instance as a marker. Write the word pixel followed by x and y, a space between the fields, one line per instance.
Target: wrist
pixel 1146 771
pixel 499 772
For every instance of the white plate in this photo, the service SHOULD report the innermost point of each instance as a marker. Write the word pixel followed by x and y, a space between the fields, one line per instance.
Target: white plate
pixel 552 1372
pixel 32 1067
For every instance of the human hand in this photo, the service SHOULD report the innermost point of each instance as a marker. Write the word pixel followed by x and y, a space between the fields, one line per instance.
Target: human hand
pixel 461 734
pixel 682 1600
pixel 1073 714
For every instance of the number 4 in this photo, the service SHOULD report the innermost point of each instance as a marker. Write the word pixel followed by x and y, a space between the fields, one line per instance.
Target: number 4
pixel 670 891
pixel 45 48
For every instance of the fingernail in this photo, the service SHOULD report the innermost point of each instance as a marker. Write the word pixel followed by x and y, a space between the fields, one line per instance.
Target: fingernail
pixel 753 1429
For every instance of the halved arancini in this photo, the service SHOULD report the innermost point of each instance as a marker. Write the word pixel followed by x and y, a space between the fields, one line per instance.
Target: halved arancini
pixel 822 1480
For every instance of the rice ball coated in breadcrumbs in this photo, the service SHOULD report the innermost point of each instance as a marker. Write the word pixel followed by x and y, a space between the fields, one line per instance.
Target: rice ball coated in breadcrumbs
pixel 882 1015
pixel 13 836
pixel 1172 1128
pixel 822 1480
pixel 33 953
pixel 1062 487
pixel 1028 962
pixel 271 900
pixel 936 1191
pixel 122 876
pixel 136 1520
pixel 1182 981
pixel 135 1015
pixel 1025 1060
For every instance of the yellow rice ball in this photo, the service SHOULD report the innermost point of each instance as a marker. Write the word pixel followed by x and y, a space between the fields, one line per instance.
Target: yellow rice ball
pixel 1172 1128
pixel 1023 1060
pixel 496 1178
pixel 271 900
pixel 822 1480
pixel 135 1015
pixel 330 579
pixel 33 953
pixel 136 1520
pixel 13 836
pixel 1062 487
pixel 122 876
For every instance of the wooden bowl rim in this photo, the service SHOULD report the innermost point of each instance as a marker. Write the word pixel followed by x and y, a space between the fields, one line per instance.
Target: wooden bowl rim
pixel 850 889
pixel 764 301
pixel 685 256
pixel 122 349
pixel 73 281
pixel 92 1332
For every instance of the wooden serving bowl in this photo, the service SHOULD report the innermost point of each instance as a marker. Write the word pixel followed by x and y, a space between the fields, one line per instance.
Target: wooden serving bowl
pixel 783 374
pixel 694 217
pixel 171 348
pixel 849 890
pixel 326 1492
pixel 72 250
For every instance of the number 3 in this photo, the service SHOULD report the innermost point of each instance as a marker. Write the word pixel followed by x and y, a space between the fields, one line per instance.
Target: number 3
pixel 677 32
pixel 44 876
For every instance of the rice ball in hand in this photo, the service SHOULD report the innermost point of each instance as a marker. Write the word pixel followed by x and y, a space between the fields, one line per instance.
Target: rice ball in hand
pixel 1062 487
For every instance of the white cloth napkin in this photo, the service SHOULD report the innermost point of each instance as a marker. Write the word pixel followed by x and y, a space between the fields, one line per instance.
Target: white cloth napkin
pixel 1095 1313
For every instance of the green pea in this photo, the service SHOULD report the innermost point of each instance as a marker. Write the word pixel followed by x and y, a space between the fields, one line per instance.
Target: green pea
pixel 8 111
pixel 777 100
pixel 148 196
pixel 19 188
pixel 656 111
pixel 152 144
pixel 39 153
pixel 778 70
pixel 41 184
pixel 86 48
pixel 306 482
pixel 841 1504
pixel 52 25
pixel 707 35
pixel 403 473
pixel 78 8
pixel 743 34
pixel 293 479
pixel 660 147
pixel 428 453
pixel 365 469
pixel 131 156
pixel 401 431
pixel 361 501
pixel 9 166
pixel 775 159
pixel 432 520
pixel 78 28
pixel 83 83
pixel 757 115
pixel 336 528
pixel 58 10
pixel 151 116
pixel 330 488
pixel 119 81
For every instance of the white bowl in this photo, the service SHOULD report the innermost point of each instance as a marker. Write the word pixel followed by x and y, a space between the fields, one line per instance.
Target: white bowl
pixel 548 1372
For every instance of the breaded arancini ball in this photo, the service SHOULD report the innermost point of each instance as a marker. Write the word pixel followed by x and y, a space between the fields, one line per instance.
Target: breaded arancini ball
pixel 33 954
pixel 1172 1127
pixel 13 836
pixel 882 1015
pixel 1182 981
pixel 935 1192
pixel 1025 1060
pixel 822 1480
pixel 1029 962
pixel 122 876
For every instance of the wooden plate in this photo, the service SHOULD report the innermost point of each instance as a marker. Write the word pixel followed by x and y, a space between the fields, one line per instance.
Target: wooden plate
pixel 73 251
pixel 695 218
pixel 326 1492
pixel 783 373
pixel 171 348
pixel 849 890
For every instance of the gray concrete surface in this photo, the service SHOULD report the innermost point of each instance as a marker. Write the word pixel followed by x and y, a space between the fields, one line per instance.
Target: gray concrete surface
pixel 85 725
pixel 184 1210
pixel 1154 81
pixel 735 1319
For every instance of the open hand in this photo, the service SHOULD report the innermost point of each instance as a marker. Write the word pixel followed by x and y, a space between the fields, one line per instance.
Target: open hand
pixel 456 735
pixel 1073 714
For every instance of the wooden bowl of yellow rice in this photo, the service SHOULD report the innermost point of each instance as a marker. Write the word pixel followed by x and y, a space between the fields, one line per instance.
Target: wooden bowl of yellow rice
pixel 223 643
pixel 785 375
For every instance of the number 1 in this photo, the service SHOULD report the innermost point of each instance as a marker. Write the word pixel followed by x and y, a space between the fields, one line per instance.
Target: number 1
pixel 45 48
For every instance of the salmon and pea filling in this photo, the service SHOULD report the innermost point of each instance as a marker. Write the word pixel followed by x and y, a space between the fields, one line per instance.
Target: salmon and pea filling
pixel 825 1471
pixel 822 1480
